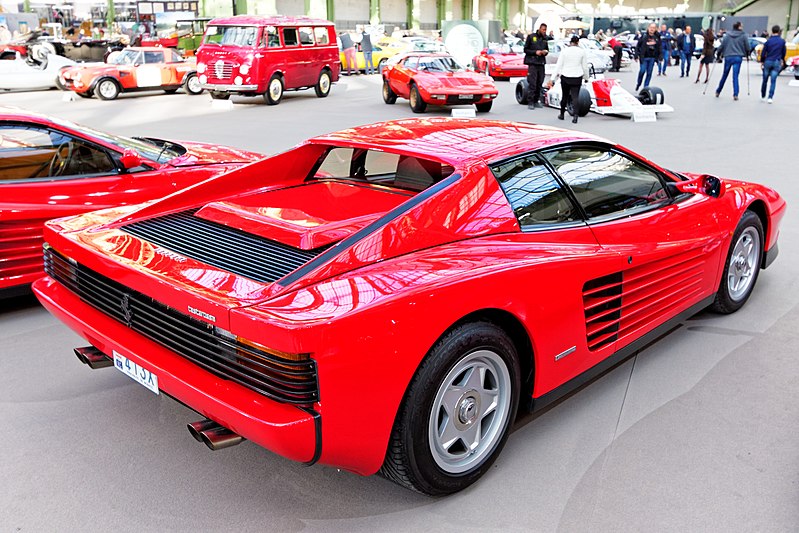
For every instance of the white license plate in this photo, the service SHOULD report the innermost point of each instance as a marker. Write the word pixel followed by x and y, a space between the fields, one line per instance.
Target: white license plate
pixel 135 372
pixel 465 96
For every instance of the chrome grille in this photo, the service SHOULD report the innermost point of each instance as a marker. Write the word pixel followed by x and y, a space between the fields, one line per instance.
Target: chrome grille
pixel 214 244
pixel 277 378
pixel 222 70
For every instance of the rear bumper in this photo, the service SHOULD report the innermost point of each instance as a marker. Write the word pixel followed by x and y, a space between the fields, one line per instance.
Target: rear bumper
pixel 290 431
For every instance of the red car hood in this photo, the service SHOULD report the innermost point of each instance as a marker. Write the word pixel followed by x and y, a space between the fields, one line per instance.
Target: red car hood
pixel 91 69
pixel 211 154
pixel 457 79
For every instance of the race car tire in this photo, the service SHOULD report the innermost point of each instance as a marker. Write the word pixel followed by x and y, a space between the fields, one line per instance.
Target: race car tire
pixel 274 91
pixel 107 89
pixel 742 266
pixel 651 96
pixel 521 92
pixel 216 95
pixel 322 87
pixel 389 96
pixel 192 85
pixel 418 105
pixel 583 104
pixel 484 107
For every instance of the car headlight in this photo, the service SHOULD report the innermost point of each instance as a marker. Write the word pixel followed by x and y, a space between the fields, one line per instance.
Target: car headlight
pixel 201 67
pixel 244 69
pixel 203 78
pixel 238 80
pixel 497 62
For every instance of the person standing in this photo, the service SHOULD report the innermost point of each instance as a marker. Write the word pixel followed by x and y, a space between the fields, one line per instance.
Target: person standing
pixel 772 59
pixel 571 69
pixel 366 48
pixel 708 55
pixel 665 42
pixel 734 48
pixel 649 51
pixel 535 57
pixel 616 46
pixel 686 44
pixel 348 47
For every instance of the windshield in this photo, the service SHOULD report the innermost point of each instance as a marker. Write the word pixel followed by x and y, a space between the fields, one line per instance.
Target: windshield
pixel 439 64
pixel 126 57
pixel 152 149
pixel 233 35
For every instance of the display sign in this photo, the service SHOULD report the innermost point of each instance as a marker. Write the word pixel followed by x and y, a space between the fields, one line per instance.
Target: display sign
pixel 149 8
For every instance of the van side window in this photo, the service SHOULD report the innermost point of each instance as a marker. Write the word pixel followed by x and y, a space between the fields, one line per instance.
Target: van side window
pixel 306 36
pixel 322 37
pixel 271 38
pixel 290 37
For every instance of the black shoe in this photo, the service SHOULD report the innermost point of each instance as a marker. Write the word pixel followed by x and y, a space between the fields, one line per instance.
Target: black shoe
pixel 636 88
pixel 530 106
pixel 574 119
pixel 539 105
pixel 560 116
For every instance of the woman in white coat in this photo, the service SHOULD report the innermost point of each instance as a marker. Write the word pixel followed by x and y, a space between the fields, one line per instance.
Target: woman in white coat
pixel 571 69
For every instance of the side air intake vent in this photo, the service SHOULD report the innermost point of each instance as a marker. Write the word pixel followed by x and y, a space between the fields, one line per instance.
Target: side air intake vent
pixel 602 302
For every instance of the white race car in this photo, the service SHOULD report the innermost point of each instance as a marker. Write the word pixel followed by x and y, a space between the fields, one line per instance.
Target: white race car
pixel 606 96
pixel 36 72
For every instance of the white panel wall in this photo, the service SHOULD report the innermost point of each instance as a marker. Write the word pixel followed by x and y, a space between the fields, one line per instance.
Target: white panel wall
pixel 290 7
pixel 488 10
pixel 394 11
pixel 352 10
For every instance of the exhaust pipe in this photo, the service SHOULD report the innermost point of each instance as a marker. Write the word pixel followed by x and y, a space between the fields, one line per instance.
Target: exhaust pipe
pixel 213 435
pixel 89 355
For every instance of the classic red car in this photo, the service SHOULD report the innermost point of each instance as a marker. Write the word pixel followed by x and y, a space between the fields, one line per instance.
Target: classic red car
pixel 385 298
pixel 500 62
pixel 52 168
pixel 134 69
pixel 435 79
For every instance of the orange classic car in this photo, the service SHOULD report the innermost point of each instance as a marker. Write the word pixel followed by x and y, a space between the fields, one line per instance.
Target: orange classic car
pixel 134 69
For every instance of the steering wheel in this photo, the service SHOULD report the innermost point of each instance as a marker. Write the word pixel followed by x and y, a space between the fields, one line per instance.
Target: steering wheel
pixel 60 161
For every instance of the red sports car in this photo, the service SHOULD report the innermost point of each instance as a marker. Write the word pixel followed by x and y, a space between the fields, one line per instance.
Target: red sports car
pixel 51 168
pixel 134 69
pixel 387 297
pixel 500 62
pixel 435 79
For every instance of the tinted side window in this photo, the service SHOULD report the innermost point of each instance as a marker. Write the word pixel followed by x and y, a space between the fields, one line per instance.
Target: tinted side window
pixel 290 37
pixel 606 182
pixel 153 57
pixel 411 62
pixel 535 195
pixel 322 37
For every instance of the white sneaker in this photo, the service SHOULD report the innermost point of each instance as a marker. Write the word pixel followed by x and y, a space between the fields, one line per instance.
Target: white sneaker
pixel 770 100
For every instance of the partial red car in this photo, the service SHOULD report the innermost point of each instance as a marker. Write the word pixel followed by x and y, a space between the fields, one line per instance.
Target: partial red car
pixel 435 79
pixel 52 168
pixel 500 62
pixel 134 69
pixel 386 298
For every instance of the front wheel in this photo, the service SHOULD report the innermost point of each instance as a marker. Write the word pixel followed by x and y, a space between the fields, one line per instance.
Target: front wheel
pixel 274 92
pixel 192 85
pixel 389 96
pixel 457 413
pixel 415 100
pixel 107 90
pixel 742 266
pixel 521 92
pixel 485 107
pixel 322 87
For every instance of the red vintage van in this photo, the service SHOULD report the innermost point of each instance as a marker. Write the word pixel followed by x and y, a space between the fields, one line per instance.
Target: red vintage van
pixel 254 55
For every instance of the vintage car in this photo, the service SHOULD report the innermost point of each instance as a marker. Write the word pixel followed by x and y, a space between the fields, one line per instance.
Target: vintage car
pixel 134 69
pixel 386 298
pixel 604 96
pixel 32 72
pixel 435 79
pixel 380 54
pixel 500 62
pixel 792 65
pixel 51 168
pixel 81 50
pixel 598 60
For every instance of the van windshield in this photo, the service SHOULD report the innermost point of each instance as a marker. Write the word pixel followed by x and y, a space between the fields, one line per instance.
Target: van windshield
pixel 234 35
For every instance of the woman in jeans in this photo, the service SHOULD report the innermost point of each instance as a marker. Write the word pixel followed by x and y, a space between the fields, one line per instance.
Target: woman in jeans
pixel 572 69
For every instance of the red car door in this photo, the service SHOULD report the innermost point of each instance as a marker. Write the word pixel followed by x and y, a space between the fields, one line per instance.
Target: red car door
pixel 399 77
pixel 669 248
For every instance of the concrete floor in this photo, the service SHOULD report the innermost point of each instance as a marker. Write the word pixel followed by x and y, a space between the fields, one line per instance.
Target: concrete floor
pixel 699 432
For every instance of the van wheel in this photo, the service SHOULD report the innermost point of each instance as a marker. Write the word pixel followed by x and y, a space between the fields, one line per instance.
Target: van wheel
pixel 323 85
pixel 274 91
pixel 417 104
pixel 216 95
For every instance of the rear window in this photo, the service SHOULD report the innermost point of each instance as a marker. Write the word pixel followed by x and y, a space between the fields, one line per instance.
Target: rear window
pixel 381 168
pixel 322 36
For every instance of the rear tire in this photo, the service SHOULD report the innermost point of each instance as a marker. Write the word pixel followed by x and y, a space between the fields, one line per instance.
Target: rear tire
pixel 457 412
pixel 583 104
pixel 521 92
pixel 742 266
pixel 389 96
pixel 322 87
pixel 651 96
pixel 274 91
pixel 415 100
pixel 484 107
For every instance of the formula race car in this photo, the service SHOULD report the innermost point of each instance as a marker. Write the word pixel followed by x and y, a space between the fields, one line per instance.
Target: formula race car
pixel 605 96
pixel 32 72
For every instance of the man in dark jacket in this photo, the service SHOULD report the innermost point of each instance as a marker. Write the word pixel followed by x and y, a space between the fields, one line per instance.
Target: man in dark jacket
pixel 535 57
pixel 666 39
pixel 772 59
pixel 366 48
pixel 734 48
pixel 686 44
pixel 649 51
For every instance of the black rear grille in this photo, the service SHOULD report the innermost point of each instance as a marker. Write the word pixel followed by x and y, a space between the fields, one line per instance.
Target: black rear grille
pixel 280 379
pixel 215 244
